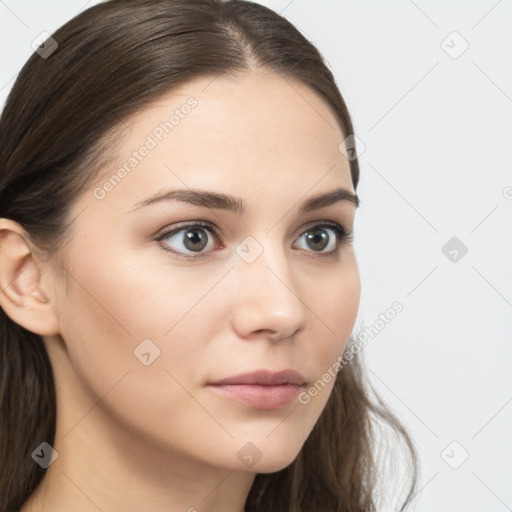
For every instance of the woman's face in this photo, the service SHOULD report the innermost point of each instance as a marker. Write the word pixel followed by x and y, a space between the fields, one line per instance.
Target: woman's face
pixel 146 329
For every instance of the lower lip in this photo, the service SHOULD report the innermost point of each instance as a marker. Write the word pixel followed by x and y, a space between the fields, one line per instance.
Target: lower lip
pixel 258 396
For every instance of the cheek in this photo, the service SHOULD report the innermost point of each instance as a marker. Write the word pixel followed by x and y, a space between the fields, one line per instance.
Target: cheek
pixel 114 306
pixel 336 311
pixel 103 327
pixel 108 310
pixel 333 311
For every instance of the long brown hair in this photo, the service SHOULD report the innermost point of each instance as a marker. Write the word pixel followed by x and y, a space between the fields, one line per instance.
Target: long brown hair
pixel 57 127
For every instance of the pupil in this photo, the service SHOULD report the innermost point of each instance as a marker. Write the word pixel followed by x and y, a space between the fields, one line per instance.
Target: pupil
pixel 193 238
pixel 320 238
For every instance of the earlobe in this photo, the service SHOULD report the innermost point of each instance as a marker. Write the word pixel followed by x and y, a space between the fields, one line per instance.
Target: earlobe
pixel 21 293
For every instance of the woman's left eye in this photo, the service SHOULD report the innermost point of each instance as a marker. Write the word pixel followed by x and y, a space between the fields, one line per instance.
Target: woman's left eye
pixel 325 239
pixel 318 237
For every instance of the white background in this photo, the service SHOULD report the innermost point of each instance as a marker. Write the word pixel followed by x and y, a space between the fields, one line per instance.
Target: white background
pixel 437 143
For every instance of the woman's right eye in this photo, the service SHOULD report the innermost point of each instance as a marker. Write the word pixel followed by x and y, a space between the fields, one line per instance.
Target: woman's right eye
pixel 191 238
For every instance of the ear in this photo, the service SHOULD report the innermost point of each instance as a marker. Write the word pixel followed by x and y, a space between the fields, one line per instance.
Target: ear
pixel 22 294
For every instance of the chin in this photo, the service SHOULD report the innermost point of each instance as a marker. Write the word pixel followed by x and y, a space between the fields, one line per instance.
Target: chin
pixel 273 466
pixel 271 457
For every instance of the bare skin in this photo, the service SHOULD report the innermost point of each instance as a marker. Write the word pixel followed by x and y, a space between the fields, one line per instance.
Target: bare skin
pixel 156 436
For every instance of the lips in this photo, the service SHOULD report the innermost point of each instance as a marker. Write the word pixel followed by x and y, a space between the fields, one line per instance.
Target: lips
pixel 261 389
pixel 265 378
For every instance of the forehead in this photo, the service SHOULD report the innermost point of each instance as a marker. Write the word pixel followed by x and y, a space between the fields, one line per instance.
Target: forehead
pixel 228 133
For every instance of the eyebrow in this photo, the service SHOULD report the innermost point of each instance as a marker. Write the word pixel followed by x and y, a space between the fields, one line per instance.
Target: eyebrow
pixel 214 200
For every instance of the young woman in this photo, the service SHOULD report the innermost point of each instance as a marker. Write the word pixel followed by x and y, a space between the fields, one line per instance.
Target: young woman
pixel 178 279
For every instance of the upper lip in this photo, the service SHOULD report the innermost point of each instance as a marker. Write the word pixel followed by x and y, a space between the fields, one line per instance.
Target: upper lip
pixel 265 378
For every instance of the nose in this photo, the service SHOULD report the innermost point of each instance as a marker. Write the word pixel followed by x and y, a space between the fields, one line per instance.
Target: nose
pixel 267 300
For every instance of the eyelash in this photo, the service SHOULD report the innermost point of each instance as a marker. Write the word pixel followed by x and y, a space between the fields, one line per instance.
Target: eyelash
pixel 343 235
